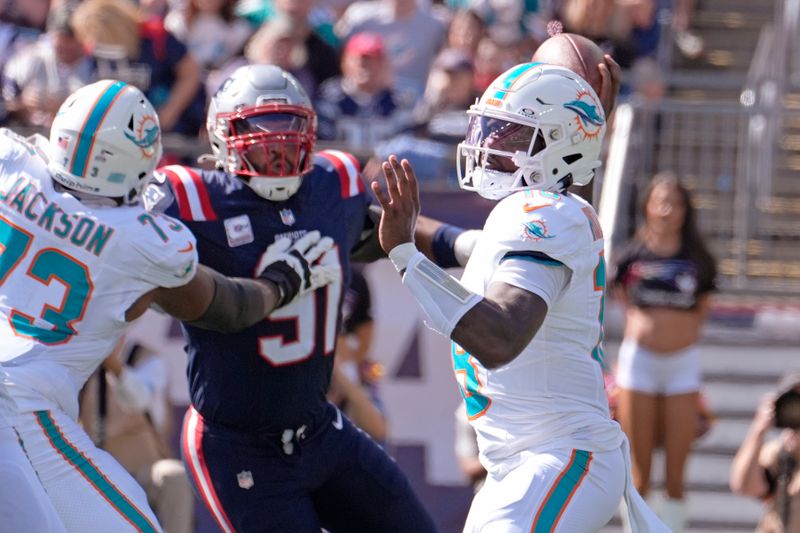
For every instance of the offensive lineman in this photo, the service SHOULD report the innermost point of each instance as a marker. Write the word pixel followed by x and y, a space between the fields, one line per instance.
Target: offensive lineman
pixel 79 260
pixel 526 318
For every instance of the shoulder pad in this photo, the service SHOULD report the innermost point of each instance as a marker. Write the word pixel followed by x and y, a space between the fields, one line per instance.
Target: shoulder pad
pixel 346 168
pixel 168 248
pixel 562 227
pixel 15 148
pixel 190 189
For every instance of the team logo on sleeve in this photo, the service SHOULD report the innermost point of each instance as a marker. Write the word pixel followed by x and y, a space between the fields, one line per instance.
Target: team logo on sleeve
pixel 239 231
pixel 535 231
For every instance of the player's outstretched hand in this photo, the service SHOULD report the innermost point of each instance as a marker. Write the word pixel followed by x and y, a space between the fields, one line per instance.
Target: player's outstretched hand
pixel 400 203
pixel 611 75
pixel 299 267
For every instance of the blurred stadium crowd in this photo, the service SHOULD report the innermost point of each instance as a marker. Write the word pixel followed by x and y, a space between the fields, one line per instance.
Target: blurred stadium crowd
pixel 385 75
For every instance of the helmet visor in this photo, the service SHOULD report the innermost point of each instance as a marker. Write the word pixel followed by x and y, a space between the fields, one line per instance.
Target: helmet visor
pixel 500 140
pixel 269 123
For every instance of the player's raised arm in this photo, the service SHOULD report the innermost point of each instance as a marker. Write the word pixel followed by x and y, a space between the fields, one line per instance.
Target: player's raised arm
pixel 444 244
pixel 495 328
pixel 213 301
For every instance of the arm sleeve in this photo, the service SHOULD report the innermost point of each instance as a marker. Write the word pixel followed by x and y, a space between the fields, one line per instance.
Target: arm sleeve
pixel 546 280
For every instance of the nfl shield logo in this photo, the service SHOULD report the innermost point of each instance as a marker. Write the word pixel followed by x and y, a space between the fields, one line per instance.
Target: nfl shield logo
pixel 287 217
pixel 245 479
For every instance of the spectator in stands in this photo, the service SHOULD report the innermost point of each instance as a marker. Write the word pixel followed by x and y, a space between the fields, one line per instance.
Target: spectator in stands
pixel 210 31
pixel 412 35
pixel 21 24
pixel 277 42
pixel 511 20
pixel 354 384
pixel 439 120
pixel 38 78
pixel 664 276
pixel 767 469
pixel 141 52
pixel 363 107
pixel 124 409
pixel 466 31
pixel 491 60
pixel 610 23
pixel 689 43
pixel 313 30
pixel 449 91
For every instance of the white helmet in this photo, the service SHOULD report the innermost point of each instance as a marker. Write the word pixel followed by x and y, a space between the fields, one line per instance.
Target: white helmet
pixel 105 141
pixel 536 127
pixel 262 128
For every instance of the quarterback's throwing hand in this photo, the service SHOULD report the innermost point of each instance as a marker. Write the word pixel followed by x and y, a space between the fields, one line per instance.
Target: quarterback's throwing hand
pixel 299 267
pixel 400 203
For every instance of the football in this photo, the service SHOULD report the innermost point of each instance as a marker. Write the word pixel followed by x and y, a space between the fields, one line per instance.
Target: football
pixel 575 52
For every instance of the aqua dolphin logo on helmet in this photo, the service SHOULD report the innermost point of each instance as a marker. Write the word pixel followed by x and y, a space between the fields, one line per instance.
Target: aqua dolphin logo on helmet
pixel 149 139
pixel 589 114
pixel 146 135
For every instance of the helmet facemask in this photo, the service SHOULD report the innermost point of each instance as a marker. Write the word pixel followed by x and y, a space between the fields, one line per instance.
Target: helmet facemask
pixel 500 156
pixel 269 146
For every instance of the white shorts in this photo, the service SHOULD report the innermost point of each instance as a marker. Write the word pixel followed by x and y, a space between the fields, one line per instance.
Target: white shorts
pixel 642 370
pixel 567 491
pixel 89 489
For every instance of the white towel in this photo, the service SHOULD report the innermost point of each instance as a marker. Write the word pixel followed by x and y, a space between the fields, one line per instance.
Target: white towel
pixel 640 518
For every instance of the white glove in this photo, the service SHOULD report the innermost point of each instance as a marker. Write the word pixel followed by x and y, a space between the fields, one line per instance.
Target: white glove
pixel 299 267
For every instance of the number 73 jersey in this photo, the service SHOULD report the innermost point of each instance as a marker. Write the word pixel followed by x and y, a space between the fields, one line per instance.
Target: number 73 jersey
pixel 552 395
pixel 68 273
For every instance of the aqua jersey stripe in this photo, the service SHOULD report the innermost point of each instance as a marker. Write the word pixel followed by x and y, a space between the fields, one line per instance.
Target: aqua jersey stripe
pixel 89 129
pixel 512 77
pixel 530 255
pixel 552 508
pixel 96 478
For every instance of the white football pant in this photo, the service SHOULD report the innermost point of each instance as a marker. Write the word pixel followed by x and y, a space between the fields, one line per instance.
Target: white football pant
pixel 89 489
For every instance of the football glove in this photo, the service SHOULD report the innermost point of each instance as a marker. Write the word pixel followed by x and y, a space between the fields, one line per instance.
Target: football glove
pixel 299 267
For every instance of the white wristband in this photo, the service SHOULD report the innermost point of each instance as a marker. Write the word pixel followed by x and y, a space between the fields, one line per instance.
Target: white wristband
pixel 401 254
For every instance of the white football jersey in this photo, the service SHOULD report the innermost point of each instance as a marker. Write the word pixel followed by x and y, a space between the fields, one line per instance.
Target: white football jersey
pixel 68 273
pixel 552 395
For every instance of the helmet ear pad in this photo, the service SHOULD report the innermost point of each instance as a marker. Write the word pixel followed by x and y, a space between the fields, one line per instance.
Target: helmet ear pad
pixel 105 141
pixel 555 111
pixel 262 127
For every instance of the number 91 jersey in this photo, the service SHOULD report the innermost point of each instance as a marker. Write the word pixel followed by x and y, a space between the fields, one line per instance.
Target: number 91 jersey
pixel 273 375
pixel 68 273
pixel 554 388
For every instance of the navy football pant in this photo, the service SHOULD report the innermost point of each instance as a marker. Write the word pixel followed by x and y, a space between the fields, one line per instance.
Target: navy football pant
pixel 332 476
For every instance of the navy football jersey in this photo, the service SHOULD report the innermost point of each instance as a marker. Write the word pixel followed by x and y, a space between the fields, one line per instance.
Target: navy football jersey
pixel 273 375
